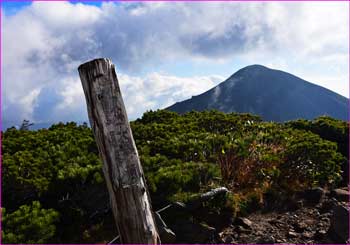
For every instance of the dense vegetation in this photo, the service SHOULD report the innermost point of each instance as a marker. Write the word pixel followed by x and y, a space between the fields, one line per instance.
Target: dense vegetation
pixel 53 188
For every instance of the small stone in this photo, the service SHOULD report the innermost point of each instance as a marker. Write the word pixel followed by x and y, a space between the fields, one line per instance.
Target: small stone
pixel 246 223
pixel 299 227
pixel 320 234
pixel 241 229
pixel 292 234
pixel 228 239
pixel 308 234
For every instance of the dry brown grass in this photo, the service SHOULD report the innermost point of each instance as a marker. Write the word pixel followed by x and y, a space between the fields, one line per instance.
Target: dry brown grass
pixel 243 172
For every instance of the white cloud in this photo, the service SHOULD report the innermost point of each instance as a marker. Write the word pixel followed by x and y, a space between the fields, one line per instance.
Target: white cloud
pixel 72 94
pixel 45 42
pixel 158 90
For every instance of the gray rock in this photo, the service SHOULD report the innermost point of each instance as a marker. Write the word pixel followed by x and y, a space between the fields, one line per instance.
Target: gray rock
pixel 314 195
pixel 246 223
pixel 339 229
pixel 341 195
pixel 210 195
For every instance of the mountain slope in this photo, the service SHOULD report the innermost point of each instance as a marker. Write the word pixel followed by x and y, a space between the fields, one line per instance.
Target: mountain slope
pixel 272 94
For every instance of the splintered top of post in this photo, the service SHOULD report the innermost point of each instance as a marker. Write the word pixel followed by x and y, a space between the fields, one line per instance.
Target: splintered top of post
pixel 97 67
pixel 94 62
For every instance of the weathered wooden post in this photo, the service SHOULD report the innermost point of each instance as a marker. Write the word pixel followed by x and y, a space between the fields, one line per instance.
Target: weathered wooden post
pixel 123 173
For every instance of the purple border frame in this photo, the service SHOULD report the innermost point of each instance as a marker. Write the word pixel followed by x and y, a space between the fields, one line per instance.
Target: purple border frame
pixel 349 100
pixel 173 1
pixel 1 1
pixel 0 121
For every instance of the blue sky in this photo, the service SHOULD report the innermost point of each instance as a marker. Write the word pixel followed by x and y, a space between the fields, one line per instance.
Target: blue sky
pixel 11 7
pixel 164 52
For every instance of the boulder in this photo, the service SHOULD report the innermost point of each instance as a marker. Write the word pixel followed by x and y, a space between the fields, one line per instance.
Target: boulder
pixel 341 195
pixel 214 193
pixel 314 195
pixel 339 229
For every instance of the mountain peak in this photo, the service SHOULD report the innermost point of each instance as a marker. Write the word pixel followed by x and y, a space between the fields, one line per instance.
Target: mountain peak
pixel 274 95
pixel 251 70
pixel 255 67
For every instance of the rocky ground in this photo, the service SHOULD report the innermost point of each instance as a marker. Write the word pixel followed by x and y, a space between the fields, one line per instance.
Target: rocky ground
pixel 314 216
pixel 305 225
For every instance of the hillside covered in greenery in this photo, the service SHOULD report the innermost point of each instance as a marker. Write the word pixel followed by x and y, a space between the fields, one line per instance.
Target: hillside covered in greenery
pixel 54 190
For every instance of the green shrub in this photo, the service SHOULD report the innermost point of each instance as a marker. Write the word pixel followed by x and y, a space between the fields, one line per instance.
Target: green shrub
pixel 60 166
pixel 311 161
pixel 29 224
pixel 327 128
pixel 184 177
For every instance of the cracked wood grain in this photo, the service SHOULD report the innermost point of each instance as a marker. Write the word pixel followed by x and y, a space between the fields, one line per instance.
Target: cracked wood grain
pixel 121 165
